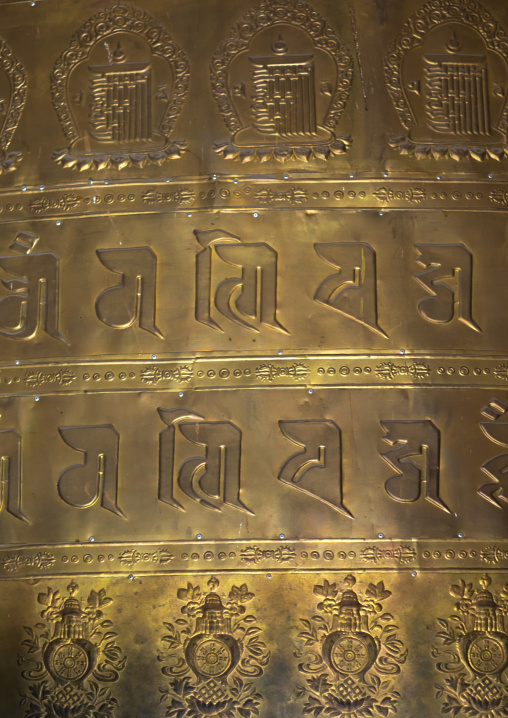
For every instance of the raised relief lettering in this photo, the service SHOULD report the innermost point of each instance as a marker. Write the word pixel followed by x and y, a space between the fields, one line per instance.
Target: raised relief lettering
pixel 281 90
pixel 496 468
pixel 317 470
pixel 118 98
pixel 134 298
pixel 415 456
pixel 448 78
pixel 32 304
pixel 216 475
pixel 352 291
pixel 83 485
pixel 249 300
pixel 10 474
pixel 448 278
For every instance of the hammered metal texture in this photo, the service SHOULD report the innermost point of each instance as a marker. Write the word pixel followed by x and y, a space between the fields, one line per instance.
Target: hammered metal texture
pixel 253 359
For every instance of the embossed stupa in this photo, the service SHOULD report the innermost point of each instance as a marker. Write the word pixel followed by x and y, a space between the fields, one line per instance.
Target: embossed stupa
pixel 70 656
pixel 212 652
pixel 350 649
pixel 484 650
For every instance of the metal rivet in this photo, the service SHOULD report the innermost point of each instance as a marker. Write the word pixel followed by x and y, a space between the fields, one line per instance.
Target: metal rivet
pixel 16 362
pixel 106 181
pixel 214 176
pixel 385 174
pixel 90 182
pixel 235 181
pixel 180 394
pixel 351 175
pixel 255 215
pixel 36 398
pixel 189 214
pixel 199 537
pixel 92 539
pixel 131 577
pixel 381 213
pixel 167 179
pixel 311 391
pixel 490 175
pixel 460 534
pixel 23 188
pixel 413 574
pixel 281 536
pixel 279 352
pixel 380 535
pixel 58 223
pixel 286 176
pixel 154 356
pixel 41 186
pixel 439 177
pixel 32 3
pixel 402 351
pixel 268 575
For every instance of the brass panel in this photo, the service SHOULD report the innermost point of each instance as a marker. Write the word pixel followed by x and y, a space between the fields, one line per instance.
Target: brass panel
pixel 414 666
pixel 163 283
pixel 253 359
pixel 145 465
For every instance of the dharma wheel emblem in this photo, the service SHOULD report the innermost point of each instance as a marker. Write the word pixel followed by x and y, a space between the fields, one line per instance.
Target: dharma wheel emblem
pixel 473 646
pixel 281 82
pixel 347 650
pixel 218 643
pixel 69 655
pixel 447 74
pixel 118 91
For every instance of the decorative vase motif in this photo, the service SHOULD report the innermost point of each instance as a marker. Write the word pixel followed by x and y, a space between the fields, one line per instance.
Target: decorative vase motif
pixel 69 656
pixel 475 640
pixel 220 645
pixel 350 655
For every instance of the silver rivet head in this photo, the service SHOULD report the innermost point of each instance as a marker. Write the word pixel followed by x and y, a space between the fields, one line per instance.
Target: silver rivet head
pixel 413 574
pixel 91 539
pixel 131 577
pixel 199 537
pixel 281 536
pixel 380 535
pixel 36 398
pixel 180 394
pixel 460 534
pixel 256 215
pixel 154 356
pixel 268 575
pixel 311 391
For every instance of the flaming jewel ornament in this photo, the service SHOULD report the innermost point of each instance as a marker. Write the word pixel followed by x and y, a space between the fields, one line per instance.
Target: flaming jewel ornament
pixel 349 653
pixel 209 653
pixel 475 640
pixel 69 656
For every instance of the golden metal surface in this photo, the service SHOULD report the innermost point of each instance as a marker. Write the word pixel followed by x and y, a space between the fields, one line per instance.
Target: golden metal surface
pixel 253 359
